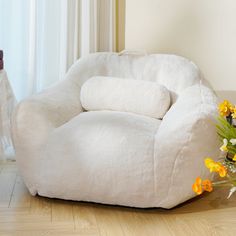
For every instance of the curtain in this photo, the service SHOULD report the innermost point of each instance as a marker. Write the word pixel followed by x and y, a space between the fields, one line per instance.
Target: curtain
pixel 42 38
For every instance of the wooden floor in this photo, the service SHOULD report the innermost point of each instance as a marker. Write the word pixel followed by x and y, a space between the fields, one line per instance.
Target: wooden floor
pixel 22 214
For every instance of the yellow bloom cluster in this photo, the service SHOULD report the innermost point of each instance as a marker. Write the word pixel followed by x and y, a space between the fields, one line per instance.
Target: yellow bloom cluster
pixel 226 109
pixel 206 185
pixel 202 185
pixel 226 131
pixel 215 167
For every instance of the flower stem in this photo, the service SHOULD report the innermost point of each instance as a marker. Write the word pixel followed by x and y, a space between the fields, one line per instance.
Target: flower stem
pixel 225 182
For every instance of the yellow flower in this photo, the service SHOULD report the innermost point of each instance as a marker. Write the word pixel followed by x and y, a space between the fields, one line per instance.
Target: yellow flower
pixel 234 158
pixel 225 108
pixel 224 148
pixel 202 185
pixel 233 111
pixel 207 185
pixel 197 186
pixel 212 165
pixel 222 171
pixel 215 167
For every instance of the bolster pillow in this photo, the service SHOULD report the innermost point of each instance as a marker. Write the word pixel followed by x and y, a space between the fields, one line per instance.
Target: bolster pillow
pixel 126 95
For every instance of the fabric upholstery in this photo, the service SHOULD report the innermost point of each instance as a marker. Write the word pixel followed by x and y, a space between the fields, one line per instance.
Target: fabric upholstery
pixel 100 146
pixel 118 157
pixel 120 94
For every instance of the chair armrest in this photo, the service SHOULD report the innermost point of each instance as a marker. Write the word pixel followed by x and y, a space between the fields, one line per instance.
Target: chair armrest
pixel 36 116
pixel 33 121
pixel 185 137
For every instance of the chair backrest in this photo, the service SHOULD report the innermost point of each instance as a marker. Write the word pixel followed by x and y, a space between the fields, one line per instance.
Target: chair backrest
pixel 174 72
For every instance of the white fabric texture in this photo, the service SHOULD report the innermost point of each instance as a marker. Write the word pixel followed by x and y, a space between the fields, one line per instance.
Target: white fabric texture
pixel 7 104
pixel 41 39
pixel 129 95
pixel 118 157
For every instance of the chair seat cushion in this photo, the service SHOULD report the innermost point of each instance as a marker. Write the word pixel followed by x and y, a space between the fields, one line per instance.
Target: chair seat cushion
pixel 101 156
pixel 129 95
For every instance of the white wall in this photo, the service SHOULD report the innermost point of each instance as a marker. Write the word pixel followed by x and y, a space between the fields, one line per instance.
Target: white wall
pixel 201 30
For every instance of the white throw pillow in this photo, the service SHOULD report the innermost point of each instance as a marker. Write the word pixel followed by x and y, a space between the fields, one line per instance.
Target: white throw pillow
pixel 127 95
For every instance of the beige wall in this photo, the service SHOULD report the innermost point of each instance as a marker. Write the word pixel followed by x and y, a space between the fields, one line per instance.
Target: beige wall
pixel 201 30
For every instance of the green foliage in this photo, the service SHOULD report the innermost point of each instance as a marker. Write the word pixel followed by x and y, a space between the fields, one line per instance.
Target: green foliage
pixel 226 131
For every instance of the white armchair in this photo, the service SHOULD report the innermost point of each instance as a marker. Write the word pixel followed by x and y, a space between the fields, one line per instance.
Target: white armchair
pixel 117 157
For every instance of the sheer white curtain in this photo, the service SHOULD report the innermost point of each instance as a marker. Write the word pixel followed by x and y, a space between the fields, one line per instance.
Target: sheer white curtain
pixel 42 38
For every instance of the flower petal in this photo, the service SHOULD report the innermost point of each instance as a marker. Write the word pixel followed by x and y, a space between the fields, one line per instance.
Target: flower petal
pixel 207 185
pixel 233 141
pixel 232 190
pixel 222 171
pixel 225 141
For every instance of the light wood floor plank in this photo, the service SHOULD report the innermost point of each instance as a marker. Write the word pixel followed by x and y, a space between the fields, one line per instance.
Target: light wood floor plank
pixel 130 226
pixel 36 226
pixel 7 182
pixel 186 225
pixel 140 222
pixel 108 221
pixel 84 217
pixel 45 233
pixel 40 206
pixel 62 211
pixel 22 217
pixel 20 195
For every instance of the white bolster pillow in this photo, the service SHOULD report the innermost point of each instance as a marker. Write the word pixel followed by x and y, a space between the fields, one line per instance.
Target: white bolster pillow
pixel 126 95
